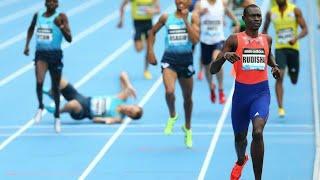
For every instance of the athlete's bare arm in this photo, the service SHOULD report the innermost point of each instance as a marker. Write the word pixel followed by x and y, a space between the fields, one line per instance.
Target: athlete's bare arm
pixel 127 89
pixel 107 120
pixel 266 24
pixel 302 24
pixel 227 53
pixel 155 8
pixel 193 28
pixel 230 14
pixel 63 23
pixel 122 7
pixel 151 38
pixel 271 61
pixel 200 11
pixel 30 34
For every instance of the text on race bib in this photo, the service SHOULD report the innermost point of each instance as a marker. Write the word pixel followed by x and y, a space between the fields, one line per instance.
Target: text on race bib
pixel 142 9
pixel 44 34
pixel 177 35
pixel 285 35
pixel 98 106
pixel 253 59
pixel 211 26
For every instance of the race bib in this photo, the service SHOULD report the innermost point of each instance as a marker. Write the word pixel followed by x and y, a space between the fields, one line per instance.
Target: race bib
pixel 177 35
pixel 211 26
pixel 253 59
pixel 44 34
pixel 285 35
pixel 142 9
pixel 98 106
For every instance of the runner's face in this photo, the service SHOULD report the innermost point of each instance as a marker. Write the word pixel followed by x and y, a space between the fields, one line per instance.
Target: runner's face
pixel 183 4
pixel 51 4
pixel 281 2
pixel 253 18
pixel 132 110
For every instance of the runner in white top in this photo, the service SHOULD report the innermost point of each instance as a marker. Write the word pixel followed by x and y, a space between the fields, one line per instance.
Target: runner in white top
pixel 211 14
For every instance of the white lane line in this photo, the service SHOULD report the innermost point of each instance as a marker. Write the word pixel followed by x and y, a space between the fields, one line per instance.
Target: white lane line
pixel 160 133
pixel 72 12
pixel 221 121
pixel 89 75
pixel 7 2
pixel 123 126
pixel 117 134
pixel 65 45
pixel 19 14
pixel 208 126
pixel 215 136
pixel 314 82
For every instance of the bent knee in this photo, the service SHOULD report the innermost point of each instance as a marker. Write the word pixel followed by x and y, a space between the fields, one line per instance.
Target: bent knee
pixel 170 92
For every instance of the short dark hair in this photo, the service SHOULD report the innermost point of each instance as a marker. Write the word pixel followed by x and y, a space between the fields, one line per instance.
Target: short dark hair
pixel 138 115
pixel 246 9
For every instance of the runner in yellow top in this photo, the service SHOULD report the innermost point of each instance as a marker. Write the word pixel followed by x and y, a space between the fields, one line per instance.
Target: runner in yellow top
pixel 142 12
pixel 286 17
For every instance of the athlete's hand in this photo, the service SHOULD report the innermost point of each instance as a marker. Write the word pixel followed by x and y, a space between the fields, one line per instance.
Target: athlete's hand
pixel 293 41
pixel 275 72
pixel 152 58
pixel 149 11
pixel 59 21
pixel 26 51
pixel 231 57
pixel 185 13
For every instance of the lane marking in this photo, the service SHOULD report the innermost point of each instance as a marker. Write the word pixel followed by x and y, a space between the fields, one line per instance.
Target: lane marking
pixel 208 126
pixel 215 136
pixel 87 77
pixel 70 13
pixel 160 133
pixel 65 45
pixel 21 13
pixel 314 83
pixel 7 2
pixel 117 134
pixel 222 119
pixel 123 126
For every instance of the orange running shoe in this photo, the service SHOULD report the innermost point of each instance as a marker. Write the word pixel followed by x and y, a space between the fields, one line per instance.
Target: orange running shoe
pixel 222 98
pixel 212 96
pixel 212 93
pixel 200 75
pixel 237 169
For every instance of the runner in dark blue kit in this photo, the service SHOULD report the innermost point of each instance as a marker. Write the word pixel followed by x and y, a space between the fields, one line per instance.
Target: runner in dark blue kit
pixel 51 26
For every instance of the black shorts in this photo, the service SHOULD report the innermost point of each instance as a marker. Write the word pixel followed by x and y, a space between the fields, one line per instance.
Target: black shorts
pixel 288 58
pixel 141 27
pixel 207 50
pixel 53 58
pixel 184 71
pixel 70 93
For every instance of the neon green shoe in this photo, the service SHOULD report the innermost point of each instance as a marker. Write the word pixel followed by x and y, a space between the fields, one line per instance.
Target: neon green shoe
pixel 187 136
pixel 147 75
pixel 281 112
pixel 170 123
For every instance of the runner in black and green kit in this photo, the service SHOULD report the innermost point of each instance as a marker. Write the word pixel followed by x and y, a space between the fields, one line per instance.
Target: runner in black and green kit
pixel 286 17
pixel 142 13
